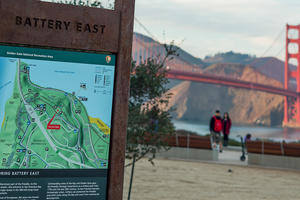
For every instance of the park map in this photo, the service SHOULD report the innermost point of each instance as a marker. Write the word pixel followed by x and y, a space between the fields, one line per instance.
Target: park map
pixel 49 128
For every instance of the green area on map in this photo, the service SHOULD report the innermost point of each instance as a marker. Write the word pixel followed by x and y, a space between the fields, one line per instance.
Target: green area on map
pixel 49 128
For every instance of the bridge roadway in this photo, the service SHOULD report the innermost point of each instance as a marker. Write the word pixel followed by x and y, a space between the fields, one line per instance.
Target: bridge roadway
pixel 211 79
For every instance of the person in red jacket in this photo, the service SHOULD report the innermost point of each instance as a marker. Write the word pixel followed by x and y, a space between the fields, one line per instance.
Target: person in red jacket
pixel 215 127
pixel 226 128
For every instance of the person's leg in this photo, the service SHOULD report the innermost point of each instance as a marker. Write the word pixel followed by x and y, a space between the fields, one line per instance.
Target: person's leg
pixel 213 136
pixel 225 140
pixel 219 141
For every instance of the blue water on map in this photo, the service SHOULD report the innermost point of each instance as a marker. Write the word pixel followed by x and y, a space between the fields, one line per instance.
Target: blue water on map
pixel 7 76
pixel 69 76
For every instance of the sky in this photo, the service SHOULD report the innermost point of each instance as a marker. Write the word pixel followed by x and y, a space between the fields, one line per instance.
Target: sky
pixel 207 27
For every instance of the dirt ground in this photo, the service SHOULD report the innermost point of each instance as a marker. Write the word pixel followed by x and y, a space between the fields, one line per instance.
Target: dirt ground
pixel 170 180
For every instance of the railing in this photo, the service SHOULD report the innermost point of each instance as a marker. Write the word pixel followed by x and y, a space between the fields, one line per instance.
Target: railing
pixel 190 141
pixel 274 148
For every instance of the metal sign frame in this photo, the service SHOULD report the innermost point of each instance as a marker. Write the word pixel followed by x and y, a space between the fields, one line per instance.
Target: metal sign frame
pixel 68 27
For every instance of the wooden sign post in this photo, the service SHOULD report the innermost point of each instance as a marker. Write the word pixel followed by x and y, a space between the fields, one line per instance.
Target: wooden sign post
pixel 64 84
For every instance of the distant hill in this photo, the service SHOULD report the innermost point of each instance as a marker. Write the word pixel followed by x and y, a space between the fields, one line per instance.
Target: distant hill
pixel 191 59
pixel 229 57
pixel 141 41
pixel 270 66
pixel 229 70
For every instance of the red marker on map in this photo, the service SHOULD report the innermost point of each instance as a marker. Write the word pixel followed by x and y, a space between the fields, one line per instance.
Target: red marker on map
pixel 53 126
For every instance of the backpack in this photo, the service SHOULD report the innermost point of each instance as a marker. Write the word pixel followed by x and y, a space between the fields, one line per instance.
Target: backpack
pixel 217 124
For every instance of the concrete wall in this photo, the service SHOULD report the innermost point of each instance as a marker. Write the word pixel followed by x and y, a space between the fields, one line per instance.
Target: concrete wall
pixel 189 154
pixel 274 161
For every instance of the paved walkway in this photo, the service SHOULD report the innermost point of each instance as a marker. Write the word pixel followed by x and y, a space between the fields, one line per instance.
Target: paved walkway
pixel 230 156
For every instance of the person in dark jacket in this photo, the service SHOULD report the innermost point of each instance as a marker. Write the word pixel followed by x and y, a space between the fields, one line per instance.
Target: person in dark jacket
pixel 215 127
pixel 226 128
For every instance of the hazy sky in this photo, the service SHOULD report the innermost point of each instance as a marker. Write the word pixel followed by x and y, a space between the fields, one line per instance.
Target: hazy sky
pixel 212 26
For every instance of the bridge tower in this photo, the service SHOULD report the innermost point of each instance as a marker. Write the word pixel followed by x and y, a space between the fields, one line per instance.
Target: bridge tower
pixel 292 105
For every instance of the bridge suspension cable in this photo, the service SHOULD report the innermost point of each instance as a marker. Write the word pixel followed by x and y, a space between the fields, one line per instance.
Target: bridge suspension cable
pixel 279 52
pixel 145 29
pixel 273 43
pixel 276 39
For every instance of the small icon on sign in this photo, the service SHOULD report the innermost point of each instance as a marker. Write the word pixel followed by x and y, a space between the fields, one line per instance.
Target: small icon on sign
pixel 108 59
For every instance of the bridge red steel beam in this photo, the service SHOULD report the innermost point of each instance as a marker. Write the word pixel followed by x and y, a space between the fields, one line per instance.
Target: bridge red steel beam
pixel 204 78
pixel 293 26
pixel 292 108
pixel 292 74
pixel 291 40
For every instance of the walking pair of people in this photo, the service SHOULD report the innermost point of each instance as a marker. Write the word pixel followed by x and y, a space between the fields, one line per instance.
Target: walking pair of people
pixel 218 125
